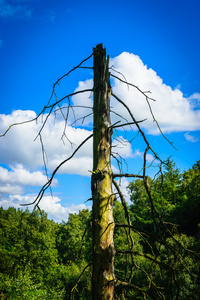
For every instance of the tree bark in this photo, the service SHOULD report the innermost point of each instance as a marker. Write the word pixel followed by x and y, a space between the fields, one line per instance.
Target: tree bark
pixel 103 278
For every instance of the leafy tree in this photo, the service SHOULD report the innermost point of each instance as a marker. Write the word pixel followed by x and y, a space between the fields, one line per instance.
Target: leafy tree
pixel 171 182
pixel 187 213
pixel 27 253
pixel 176 269
pixel 182 275
pixel 166 191
pixel 74 237
pixel 23 286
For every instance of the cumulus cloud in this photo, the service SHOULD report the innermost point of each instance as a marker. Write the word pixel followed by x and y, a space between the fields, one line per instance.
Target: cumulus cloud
pixel 172 110
pixel 51 205
pixel 57 212
pixel 19 147
pixel 13 181
pixel 21 176
pixel 9 188
pixel 22 154
pixel 85 103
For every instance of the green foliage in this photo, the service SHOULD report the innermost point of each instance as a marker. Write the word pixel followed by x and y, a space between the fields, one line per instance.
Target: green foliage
pixel 74 238
pixel 74 244
pixel 40 259
pixel 27 239
pixel 24 287
pixel 182 270
pixel 171 225
pixel 187 213
pixel 122 241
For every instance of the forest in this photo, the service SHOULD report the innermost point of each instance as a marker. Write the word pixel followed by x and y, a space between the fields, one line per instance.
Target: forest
pixel 41 259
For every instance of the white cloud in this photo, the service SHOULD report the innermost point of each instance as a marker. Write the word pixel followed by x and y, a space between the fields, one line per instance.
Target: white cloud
pixel 51 205
pixel 19 147
pixel 173 112
pixel 11 189
pixel 191 138
pixel 80 165
pixel 21 176
pixel 56 211
pixel 85 101
pixel 14 181
pixel 23 155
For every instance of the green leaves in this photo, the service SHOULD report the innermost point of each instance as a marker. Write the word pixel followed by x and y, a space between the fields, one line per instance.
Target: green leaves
pixel 74 238
pixel 172 232
pixel 40 259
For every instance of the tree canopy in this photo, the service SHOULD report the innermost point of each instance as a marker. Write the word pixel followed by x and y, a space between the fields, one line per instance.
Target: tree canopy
pixel 41 259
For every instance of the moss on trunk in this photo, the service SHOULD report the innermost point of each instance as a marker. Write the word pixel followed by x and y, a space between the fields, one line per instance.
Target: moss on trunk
pixel 103 223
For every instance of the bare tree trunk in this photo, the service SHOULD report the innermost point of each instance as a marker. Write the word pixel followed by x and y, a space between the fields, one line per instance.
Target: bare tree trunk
pixel 103 223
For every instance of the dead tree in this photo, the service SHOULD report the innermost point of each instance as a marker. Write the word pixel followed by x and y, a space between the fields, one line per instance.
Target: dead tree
pixel 104 279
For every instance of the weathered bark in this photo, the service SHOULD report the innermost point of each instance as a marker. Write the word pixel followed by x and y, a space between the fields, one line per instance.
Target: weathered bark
pixel 103 224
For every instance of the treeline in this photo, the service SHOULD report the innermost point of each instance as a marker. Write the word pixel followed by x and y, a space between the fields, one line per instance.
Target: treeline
pixel 40 259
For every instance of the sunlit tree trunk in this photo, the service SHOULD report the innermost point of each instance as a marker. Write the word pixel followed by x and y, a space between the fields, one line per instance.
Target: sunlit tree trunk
pixel 103 223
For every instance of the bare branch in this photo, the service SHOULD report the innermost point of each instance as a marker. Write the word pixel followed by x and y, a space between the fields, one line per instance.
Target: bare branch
pixel 53 93
pixel 143 255
pixel 74 288
pixel 78 66
pixel 129 123
pixel 137 125
pixel 82 118
pixel 74 106
pixel 119 115
pixel 42 112
pixel 130 284
pixel 91 68
pixel 56 103
pixel 135 86
pixel 48 183
pixel 120 74
pixel 44 156
pixel 15 124
pixel 129 223
pixel 119 161
pixel 147 99
pixel 127 175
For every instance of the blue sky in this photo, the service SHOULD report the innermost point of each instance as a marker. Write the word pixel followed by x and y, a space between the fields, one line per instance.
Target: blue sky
pixel 154 44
